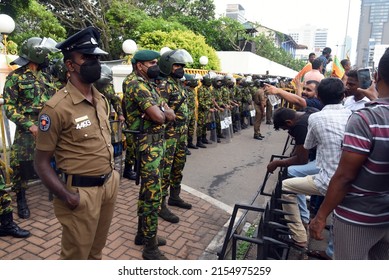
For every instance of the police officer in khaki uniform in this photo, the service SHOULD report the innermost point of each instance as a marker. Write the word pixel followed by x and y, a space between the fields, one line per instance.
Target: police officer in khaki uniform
pixel 74 127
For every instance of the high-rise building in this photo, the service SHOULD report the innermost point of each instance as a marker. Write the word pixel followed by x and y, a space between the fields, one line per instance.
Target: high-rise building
pixel 373 30
pixel 236 11
pixel 321 38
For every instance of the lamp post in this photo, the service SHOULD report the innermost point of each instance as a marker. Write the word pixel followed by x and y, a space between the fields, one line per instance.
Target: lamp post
pixel 203 61
pixel 129 47
pixel 7 26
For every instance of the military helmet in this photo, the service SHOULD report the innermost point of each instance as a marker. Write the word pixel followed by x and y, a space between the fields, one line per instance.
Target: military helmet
pixel 35 49
pixel 58 70
pixel 229 80
pixel 179 56
pixel 105 78
pixel 218 81
pixel 258 83
pixel 207 80
pixel 106 74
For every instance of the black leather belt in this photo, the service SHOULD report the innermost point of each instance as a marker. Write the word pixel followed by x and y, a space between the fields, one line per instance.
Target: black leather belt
pixel 89 181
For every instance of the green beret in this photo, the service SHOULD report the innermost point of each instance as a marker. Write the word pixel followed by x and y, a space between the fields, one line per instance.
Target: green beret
pixel 145 55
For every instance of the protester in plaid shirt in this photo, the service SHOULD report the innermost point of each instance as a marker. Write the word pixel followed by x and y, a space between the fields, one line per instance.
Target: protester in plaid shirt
pixel 325 131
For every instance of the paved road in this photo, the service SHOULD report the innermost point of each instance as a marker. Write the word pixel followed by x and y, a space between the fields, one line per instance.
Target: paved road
pixel 232 172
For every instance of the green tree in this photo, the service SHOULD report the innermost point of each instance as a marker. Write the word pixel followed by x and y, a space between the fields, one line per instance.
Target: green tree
pixel 13 7
pixel 194 44
pixel 76 15
pixel 36 21
pixel 201 9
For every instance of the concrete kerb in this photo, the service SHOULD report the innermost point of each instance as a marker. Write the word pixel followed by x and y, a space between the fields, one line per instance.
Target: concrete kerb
pixel 210 253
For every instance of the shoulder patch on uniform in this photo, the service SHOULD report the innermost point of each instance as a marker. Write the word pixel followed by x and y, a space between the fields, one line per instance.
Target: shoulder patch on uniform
pixel 44 122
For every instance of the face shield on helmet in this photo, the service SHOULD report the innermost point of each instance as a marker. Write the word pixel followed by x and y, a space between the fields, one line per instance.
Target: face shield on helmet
pixel 229 80
pixel 179 56
pixel 106 77
pixel 217 82
pixel 35 49
pixel 207 81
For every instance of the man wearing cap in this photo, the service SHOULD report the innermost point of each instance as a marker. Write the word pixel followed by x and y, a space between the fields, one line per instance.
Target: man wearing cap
pixel 26 90
pixel 74 127
pixel 146 113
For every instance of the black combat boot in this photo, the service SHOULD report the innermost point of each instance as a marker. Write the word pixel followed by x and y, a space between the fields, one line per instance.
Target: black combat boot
pixel 165 213
pixel 151 251
pixel 140 238
pixel 176 200
pixel 190 143
pixel 200 143
pixel 205 140
pixel 187 152
pixel 9 228
pixel 128 173
pixel 23 211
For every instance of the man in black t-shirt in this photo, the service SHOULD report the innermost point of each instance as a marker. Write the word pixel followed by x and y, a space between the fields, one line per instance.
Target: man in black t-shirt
pixel 301 162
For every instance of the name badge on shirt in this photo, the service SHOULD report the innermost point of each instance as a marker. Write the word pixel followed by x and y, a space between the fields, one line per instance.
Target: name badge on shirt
pixel 82 122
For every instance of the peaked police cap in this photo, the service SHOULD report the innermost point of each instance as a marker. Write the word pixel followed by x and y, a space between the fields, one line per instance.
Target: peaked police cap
pixel 84 41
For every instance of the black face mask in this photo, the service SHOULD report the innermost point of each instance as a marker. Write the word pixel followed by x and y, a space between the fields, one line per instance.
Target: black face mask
pixel 152 71
pixel 90 71
pixel 178 73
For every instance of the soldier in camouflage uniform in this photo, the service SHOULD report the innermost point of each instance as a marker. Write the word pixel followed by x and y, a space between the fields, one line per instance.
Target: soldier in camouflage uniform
pixel 172 66
pixel 25 92
pixel 237 110
pixel 205 106
pixel 147 113
pixel 190 85
pixel 7 225
pixel 105 86
pixel 59 74
pixel 217 94
pixel 129 171
pixel 246 101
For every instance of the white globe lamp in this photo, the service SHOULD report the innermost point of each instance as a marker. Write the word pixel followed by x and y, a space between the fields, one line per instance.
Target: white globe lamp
pixel 203 60
pixel 129 46
pixel 7 24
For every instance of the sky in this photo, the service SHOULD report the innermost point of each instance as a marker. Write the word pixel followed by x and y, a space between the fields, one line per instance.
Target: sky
pixel 281 15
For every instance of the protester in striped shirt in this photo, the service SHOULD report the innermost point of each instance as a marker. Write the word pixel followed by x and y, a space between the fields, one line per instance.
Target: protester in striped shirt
pixel 359 190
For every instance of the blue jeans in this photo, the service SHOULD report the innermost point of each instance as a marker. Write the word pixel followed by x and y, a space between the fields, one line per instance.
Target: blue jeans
pixel 302 171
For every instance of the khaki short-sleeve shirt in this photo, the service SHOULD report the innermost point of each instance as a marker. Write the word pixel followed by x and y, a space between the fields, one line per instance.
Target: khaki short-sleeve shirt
pixel 77 131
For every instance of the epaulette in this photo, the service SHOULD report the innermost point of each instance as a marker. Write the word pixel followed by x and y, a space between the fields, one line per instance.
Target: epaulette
pixel 57 97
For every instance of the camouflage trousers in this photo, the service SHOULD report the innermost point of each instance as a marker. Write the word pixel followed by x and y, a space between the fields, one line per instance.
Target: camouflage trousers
pixel 202 123
pixel 130 150
pixel 191 124
pixel 174 160
pixel 218 125
pixel 22 153
pixel 5 202
pixel 150 198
